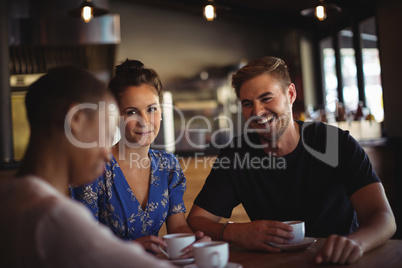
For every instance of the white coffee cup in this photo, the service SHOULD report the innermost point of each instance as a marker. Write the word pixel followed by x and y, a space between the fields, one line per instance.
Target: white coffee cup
pixel 175 243
pixel 213 254
pixel 298 231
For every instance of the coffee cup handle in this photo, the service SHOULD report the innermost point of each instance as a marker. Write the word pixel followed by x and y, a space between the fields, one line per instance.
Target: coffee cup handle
pixel 217 256
pixel 164 252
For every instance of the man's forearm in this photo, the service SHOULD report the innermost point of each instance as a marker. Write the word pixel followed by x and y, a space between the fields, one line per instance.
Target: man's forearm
pixel 376 231
pixel 209 227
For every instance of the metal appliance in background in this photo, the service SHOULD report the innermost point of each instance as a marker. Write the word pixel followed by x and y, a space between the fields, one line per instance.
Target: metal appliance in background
pixel 41 36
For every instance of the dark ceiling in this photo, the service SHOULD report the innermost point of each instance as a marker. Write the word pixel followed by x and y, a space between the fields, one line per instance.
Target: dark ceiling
pixel 276 13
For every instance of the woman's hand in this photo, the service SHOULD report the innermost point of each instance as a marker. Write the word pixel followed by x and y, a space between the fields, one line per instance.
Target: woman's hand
pixel 339 249
pixel 151 243
pixel 200 237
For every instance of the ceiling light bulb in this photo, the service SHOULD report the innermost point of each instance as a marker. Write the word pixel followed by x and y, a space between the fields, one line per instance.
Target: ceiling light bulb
pixel 209 12
pixel 320 13
pixel 87 13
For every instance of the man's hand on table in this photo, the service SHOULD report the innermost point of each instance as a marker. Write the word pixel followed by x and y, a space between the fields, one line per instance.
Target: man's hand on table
pixel 339 249
pixel 257 234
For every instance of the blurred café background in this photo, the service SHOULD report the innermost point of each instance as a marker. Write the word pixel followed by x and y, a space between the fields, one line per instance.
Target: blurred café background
pixel 346 65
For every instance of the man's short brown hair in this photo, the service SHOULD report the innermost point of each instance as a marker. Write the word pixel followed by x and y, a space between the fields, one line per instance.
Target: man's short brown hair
pixel 268 65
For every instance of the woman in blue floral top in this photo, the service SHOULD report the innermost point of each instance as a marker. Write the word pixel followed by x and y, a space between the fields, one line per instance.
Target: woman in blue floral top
pixel 141 188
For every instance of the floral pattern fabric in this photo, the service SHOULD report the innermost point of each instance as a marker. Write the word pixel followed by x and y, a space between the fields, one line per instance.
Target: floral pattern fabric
pixel 113 203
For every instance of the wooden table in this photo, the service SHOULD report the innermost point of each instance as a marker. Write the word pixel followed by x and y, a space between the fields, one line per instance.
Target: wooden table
pixel 388 255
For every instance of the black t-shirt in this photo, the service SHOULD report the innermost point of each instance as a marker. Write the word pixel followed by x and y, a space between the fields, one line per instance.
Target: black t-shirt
pixel 313 183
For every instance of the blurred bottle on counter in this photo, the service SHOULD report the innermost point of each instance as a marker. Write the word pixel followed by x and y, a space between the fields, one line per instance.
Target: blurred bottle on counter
pixel 370 116
pixel 340 112
pixel 323 116
pixel 302 116
pixel 359 112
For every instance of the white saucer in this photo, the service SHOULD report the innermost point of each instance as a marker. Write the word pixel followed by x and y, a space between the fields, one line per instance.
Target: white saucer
pixel 182 261
pixel 307 241
pixel 228 265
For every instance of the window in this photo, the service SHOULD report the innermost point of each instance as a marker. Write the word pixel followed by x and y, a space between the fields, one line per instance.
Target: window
pixel 330 79
pixel 345 81
pixel 371 69
pixel 350 91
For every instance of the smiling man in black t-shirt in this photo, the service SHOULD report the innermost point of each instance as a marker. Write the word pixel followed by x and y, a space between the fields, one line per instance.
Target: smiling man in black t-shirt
pixel 282 169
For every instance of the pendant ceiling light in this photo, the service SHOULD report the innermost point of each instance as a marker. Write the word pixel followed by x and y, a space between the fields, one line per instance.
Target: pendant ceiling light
pixel 210 11
pixel 86 11
pixel 321 10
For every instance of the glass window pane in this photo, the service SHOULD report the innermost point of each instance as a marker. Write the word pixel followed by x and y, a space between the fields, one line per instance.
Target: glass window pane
pixel 371 69
pixel 330 80
pixel 349 71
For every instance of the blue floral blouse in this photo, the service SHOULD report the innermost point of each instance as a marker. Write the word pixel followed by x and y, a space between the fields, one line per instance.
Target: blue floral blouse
pixel 113 203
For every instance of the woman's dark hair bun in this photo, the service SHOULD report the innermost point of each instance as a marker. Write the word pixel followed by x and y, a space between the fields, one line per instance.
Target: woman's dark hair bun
pixel 128 65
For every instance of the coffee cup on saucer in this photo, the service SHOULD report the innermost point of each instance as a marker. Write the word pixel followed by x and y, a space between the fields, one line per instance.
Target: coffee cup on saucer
pixel 214 254
pixel 176 243
pixel 298 231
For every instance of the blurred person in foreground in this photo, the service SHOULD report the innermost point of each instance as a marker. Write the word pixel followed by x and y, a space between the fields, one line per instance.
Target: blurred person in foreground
pixel 281 169
pixel 142 188
pixel 70 115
